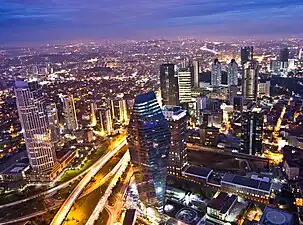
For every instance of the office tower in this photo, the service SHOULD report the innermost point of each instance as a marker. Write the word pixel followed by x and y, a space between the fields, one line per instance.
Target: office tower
pixel 53 121
pixel 70 113
pixel 247 54
pixel 184 81
pixel 252 127
pixel 149 143
pixel 232 73
pixel 263 88
pixel 169 84
pixel 176 118
pixel 33 118
pixel 196 74
pixel 201 102
pixel 250 82
pixel 275 66
pixel 216 73
pixel 300 56
pixel 284 56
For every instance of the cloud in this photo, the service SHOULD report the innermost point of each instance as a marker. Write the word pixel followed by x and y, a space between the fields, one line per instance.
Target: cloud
pixel 78 19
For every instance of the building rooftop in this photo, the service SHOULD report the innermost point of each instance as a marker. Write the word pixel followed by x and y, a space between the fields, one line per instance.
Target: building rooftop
pixel 142 98
pixel 273 216
pixel 222 202
pixel 247 182
pixel 200 172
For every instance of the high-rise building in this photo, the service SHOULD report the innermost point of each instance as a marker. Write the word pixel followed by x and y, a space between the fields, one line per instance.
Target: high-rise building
pixel 264 88
pixel 250 82
pixel 252 128
pixel 284 56
pixel 119 110
pixel 106 121
pixel 176 118
pixel 53 121
pixel 149 143
pixel 93 117
pixel 184 83
pixel 232 73
pixel 196 74
pixel 216 74
pixel 247 54
pixel 201 103
pixel 34 121
pixel 69 111
pixel 169 84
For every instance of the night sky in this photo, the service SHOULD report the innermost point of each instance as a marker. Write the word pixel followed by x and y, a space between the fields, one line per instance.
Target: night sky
pixel 33 21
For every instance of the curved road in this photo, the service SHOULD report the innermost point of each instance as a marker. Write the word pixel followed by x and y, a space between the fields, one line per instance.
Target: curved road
pixel 61 186
pixel 63 211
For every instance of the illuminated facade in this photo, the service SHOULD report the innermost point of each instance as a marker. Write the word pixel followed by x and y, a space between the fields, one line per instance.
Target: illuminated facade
pixel 176 118
pixel 184 81
pixel 216 73
pixel 119 110
pixel 34 121
pixel 169 84
pixel 252 128
pixel 70 113
pixel 196 74
pixel 250 82
pixel 232 73
pixel 149 143
pixel 247 54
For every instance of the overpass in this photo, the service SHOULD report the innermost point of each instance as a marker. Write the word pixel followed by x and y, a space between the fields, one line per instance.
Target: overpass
pixel 68 203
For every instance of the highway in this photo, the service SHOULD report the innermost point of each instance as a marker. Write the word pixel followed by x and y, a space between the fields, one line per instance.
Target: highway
pixel 28 217
pixel 102 202
pixel 54 189
pixel 65 208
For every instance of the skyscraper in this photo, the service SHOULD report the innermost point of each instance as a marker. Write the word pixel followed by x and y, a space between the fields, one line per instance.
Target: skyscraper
pixel 250 82
pixel 106 122
pixel 34 121
pixel 232 73
pixel 216 73
pixel 196 74
pixel 252 127
pixel 70 113
pixel 176 118
pixel 53 121
pixel 247 54
pixel 284 56
pixel 169 84
pixel 149 143
pixel 184 83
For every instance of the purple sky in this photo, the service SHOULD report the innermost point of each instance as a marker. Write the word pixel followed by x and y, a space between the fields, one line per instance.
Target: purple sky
pixel 33 21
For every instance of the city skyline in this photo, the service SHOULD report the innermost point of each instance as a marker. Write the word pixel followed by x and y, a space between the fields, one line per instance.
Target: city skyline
pixel 59 21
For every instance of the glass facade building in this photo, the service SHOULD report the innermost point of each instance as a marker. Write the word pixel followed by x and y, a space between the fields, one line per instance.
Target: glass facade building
pixel 35 126
pixel 169 84
pixel 149 143
pixel 177 119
